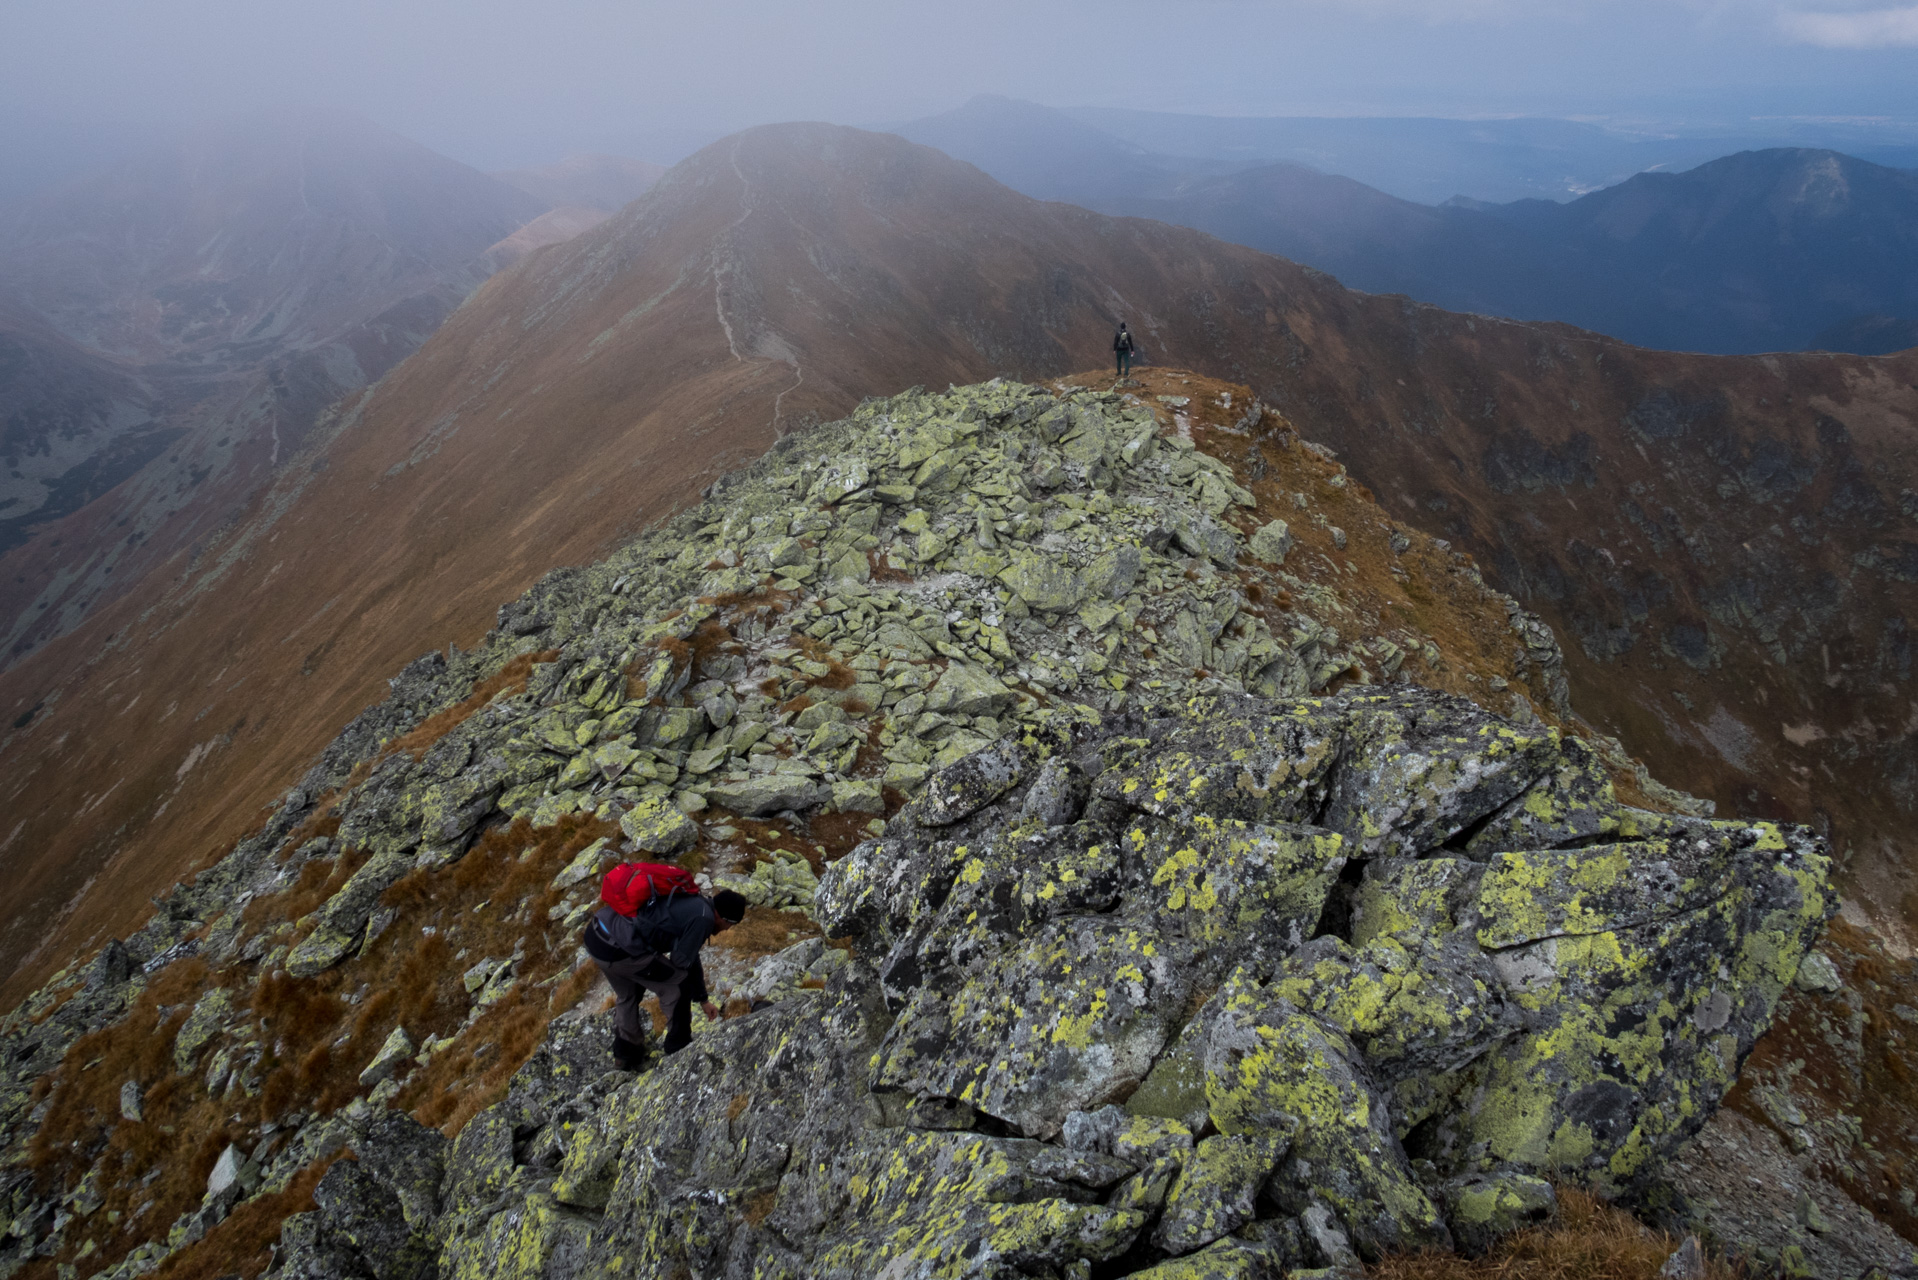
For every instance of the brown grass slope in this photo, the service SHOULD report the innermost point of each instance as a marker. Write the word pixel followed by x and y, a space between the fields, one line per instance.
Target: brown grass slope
pixel 784 273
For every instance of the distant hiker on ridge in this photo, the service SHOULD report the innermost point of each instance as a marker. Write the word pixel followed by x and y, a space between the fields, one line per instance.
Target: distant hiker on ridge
pixel 1122 347
pixel 647 936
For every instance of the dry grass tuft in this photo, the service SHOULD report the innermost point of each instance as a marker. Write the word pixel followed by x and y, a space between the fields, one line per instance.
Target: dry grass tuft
pixel 316 1035
pixel 759 1205
pixel 242 1245
pixel 477 1071
pixel 323 821
pixel 319 880
pixel 680 652
pixel 86 1088
pixel 513 675
pixel 1872 1085
pixel 577 986
pixel 712 636
pixel 182 1135
pixel 764 932
pixel 839 833
pixel 1590 1240
pixel 884 570
pixel 839 677
pixel 491 903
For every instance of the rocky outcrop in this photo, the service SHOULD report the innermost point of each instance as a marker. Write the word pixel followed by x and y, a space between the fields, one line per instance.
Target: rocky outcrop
pixel 1186 919
pixel 1175 1019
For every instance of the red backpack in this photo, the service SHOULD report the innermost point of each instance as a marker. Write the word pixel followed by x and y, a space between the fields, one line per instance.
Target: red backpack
pixel 631 885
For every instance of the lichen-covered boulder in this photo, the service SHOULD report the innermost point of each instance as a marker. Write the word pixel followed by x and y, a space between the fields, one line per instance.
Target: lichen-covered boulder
pixel 1420 1014
pixel 1228 1259
pixel 310 1250
pixel 1645 980
pixel 962 789
pixel 1274 1070
pixel 1484 1207
pixel 392 1056
pixel 1074 1015
pixel 409 1161
pixel 1227 886
pixel 1271 541
pixel 342 921
pixel 966 690
pixel 1218 1190
pixel 1228 758
pixel 756 797
pixel 963 1205
pixel 1220 988
pixel 207 1020
pixel 1573 804
pixel 656 826
pixel 1419 770
pixel 1044 583
pixel 366 1215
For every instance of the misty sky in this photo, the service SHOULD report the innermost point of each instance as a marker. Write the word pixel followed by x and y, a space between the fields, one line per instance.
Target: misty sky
pixel 499 84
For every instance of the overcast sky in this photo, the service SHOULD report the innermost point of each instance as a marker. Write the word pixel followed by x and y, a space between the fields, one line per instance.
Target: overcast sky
pixel 500 84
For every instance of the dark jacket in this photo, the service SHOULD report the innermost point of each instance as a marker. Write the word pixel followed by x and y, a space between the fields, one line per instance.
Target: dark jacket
pixel 1122 341
pixel 673 928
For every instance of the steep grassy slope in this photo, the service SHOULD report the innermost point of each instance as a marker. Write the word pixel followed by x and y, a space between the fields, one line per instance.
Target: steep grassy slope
pixel 73 423
pixel 1723 541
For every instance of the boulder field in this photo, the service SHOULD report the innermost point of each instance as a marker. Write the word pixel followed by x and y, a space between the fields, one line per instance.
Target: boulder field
pixel 1161 865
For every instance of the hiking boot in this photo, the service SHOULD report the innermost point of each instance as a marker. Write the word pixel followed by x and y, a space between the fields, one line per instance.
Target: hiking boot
pixel 627 1055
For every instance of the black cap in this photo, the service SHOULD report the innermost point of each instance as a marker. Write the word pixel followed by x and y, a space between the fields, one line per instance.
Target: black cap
pixel 729 906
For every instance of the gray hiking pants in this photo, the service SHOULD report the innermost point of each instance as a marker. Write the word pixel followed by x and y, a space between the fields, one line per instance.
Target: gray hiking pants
pixel 677 996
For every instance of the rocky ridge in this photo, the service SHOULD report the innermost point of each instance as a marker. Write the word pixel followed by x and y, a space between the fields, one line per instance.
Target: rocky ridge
pixel 585 394
pixel 1189 920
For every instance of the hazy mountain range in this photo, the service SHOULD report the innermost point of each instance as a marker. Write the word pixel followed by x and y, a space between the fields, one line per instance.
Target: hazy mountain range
pixel 1433 160
pixel 1784 249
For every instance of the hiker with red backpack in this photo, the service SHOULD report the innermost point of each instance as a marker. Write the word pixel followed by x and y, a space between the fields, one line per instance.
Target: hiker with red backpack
pixel 646 937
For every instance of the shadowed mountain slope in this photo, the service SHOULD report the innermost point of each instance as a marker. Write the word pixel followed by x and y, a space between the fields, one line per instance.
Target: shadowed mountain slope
pixel 1871 335
pixel 249 276
pixel 1773 250
pixel 1722 542
pixel 284 229
pixel 1432 160
pixel 1763 250
pixel 72 422
pixel 1760 251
